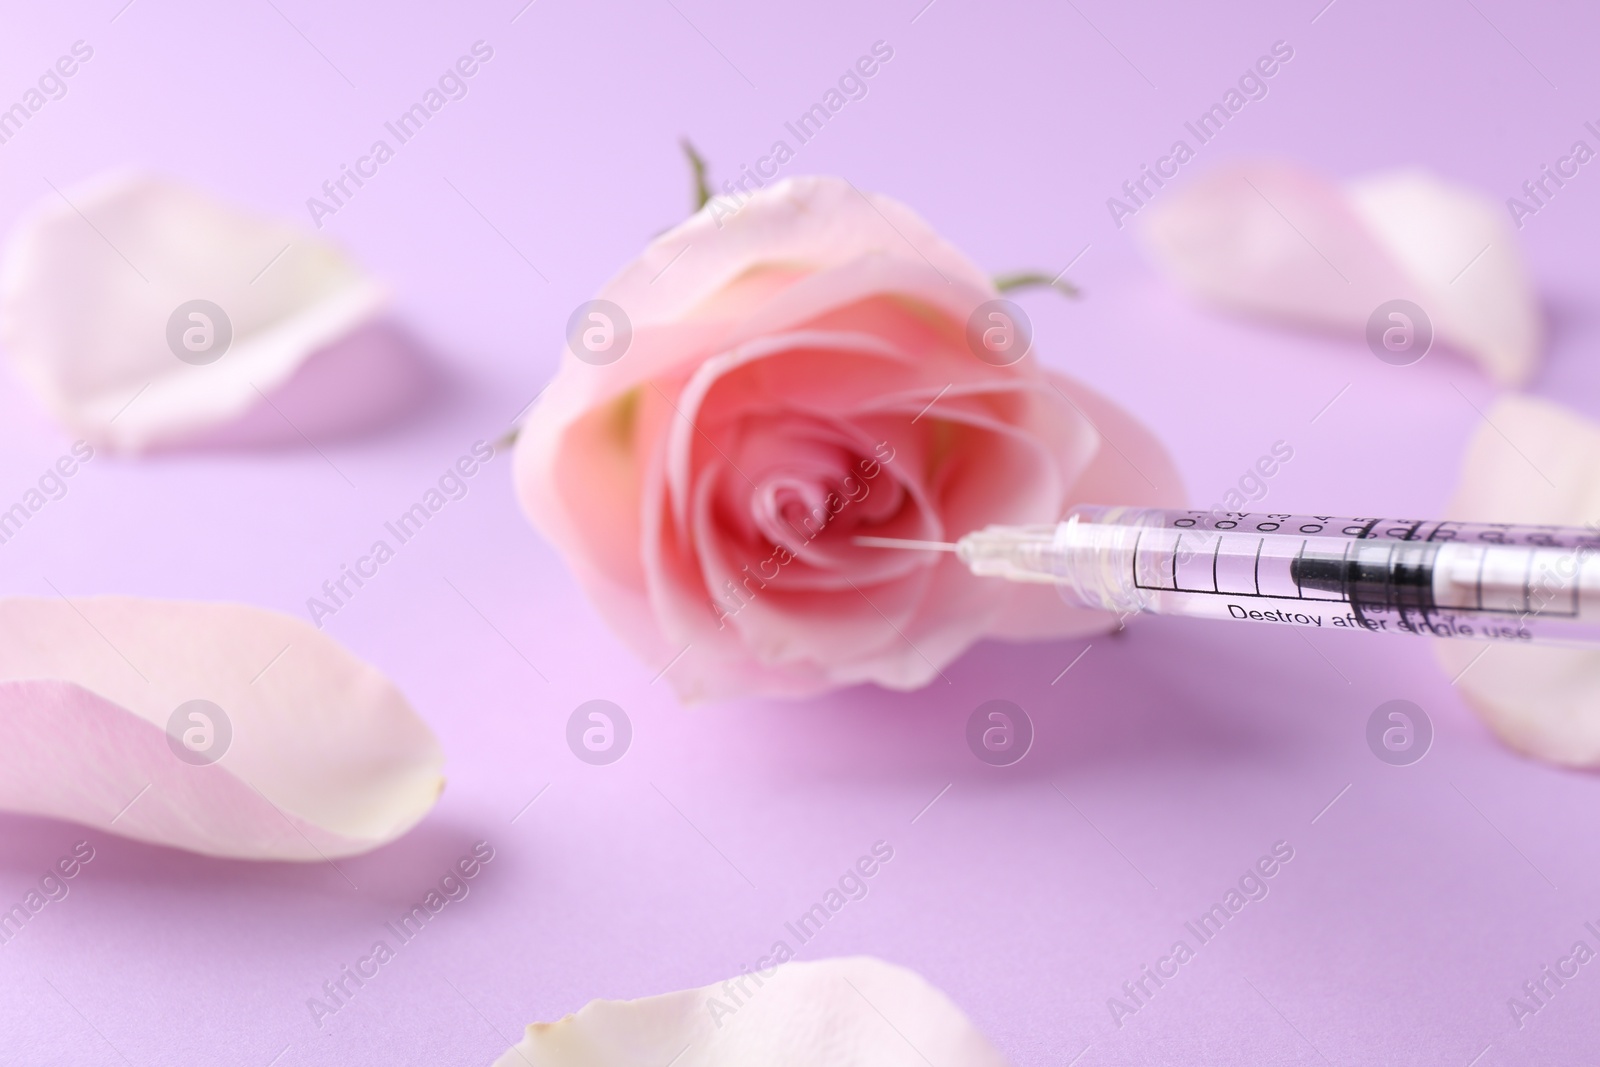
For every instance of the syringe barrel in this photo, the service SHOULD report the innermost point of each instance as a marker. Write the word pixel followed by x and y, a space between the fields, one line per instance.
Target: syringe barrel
pixel 1448 579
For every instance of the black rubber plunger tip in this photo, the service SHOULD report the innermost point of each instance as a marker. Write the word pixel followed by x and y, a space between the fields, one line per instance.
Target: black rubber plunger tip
pixel 1326 575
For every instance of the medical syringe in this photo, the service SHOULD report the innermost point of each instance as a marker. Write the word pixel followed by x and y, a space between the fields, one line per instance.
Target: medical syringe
pixel 1491 581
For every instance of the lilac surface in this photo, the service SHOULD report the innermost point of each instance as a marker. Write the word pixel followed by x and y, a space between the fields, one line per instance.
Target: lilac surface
pixel 1414 906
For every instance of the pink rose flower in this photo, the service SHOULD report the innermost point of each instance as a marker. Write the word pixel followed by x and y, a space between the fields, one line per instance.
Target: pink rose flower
pixel 799 373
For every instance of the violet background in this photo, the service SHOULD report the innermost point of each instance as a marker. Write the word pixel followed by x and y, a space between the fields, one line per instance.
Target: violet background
pixel 1413 907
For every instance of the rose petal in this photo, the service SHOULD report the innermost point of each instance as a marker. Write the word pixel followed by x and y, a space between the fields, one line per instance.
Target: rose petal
pixel 312 753
pixel 855 1012
pixel 1541 700
pixel 811 223
pixel 1462 252
pixel 1279 241
pixel 92 278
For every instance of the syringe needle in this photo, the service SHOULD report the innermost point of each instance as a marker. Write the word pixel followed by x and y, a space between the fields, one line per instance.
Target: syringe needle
pixel 902 542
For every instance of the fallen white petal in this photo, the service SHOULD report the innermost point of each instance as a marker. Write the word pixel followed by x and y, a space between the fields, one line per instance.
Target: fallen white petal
pixel 1462 252
pixel 1541 700
pixel 1282 242
pixel 325 758
pixel 854 1012
pixel 94 274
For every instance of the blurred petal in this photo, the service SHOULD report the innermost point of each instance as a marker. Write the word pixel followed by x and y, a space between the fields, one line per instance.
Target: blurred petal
pixel 1273 240
pixel 1279 241
pixel 1462 252
pixel 298 751
pixel 1540 700
pixel 93 291
pixel 856 1012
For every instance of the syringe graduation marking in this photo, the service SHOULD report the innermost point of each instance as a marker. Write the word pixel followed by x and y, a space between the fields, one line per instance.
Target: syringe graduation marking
pixel 1296 566
pixel 1483 561
pixel 1527 585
